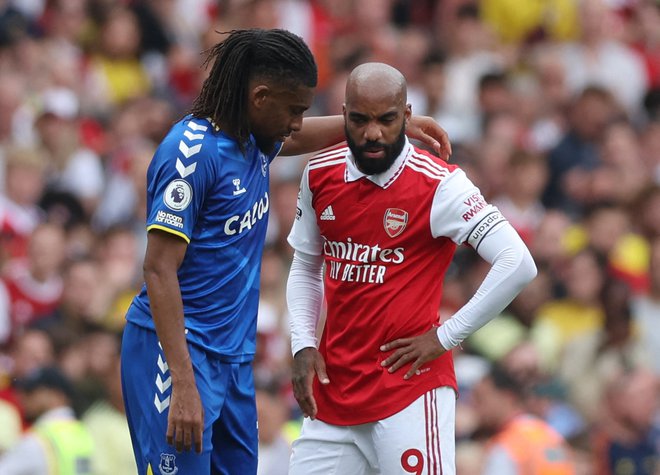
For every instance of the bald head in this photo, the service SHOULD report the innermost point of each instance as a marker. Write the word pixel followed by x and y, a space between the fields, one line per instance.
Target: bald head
pixel 376 82
pixel 375 114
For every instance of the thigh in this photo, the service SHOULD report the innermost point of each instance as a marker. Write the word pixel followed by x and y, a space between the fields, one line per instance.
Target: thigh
pixel 146 385
pixel 235 438
pixel 419 439
pixel 324 449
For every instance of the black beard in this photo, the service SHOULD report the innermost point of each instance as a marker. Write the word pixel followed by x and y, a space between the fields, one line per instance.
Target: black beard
pixel 369 166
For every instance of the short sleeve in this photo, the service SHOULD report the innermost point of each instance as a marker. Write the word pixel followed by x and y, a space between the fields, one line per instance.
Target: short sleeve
pixel 305 235
pixel 177 185
pixel 461 213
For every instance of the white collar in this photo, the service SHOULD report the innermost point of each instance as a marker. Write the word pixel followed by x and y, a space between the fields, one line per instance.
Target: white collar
pixel 384 179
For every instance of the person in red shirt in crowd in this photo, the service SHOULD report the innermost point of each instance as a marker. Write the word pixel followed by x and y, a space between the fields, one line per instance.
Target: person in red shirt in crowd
pixel 386 217
pixel 33 286
pixel 25 171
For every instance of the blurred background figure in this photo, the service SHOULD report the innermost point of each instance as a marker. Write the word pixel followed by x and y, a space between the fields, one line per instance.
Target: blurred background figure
pixel 520 200
pixel 19 211
pixel 626 437
pixel 34 284
pixel 646 309
pixel 274 445
pixel 105 419
pixel 57 441
pixel 599 54
pixel 73 167
pixel 580 310
pixel 590 360
pixel 520 443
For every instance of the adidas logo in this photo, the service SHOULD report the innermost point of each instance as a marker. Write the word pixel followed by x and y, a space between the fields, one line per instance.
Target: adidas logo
pixel 327 214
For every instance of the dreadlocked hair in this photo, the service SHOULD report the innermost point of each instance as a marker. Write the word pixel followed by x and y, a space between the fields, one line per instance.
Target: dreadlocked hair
pixel 245 54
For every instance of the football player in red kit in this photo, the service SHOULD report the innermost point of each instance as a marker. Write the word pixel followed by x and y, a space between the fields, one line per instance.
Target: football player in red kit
pixel 385 217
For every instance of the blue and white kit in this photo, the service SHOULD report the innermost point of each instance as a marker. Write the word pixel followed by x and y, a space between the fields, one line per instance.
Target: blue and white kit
pixel 203 188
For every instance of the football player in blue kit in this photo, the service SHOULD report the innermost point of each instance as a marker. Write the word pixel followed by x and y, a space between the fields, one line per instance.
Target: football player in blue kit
pixel 190 334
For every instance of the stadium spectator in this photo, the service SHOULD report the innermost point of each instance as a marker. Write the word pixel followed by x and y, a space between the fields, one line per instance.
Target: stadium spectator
pixel 521 443
pixel 646 309
pixel 73 168
pixel 19 210
pixel 105 418
pixel 34 284
pixel 274 448
pixel 57 441
pixel 626 437
pixel 592 359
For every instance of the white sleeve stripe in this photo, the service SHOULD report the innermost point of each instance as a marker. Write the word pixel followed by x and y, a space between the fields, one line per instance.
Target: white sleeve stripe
pixel 427 165
pixel 330 149
pixel 326 164
pixel 423 171
pixel 429 162
pixel 315 161
pixel 329 153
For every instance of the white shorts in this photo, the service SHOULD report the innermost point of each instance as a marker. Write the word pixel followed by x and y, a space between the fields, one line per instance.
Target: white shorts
pixel 419 440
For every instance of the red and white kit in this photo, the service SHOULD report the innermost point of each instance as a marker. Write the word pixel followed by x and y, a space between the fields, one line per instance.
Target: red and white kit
pixel 387 241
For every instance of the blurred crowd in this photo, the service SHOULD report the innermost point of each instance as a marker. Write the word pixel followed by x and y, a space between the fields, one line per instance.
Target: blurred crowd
pixel 553 110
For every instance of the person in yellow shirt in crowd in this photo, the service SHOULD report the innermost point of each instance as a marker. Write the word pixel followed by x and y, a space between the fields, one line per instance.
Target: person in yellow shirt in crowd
pixel 515 21
pixel 57 441
pixel 580 311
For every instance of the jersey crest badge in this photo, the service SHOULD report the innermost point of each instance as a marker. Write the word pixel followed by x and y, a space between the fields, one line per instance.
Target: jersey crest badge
pixel 178 195
pixel 167 465
pixel 395 221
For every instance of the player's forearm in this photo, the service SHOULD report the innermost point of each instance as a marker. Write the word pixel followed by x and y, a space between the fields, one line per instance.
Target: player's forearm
pixel 317 133
pixel 167 311
pixel 304 295
pixel 512 269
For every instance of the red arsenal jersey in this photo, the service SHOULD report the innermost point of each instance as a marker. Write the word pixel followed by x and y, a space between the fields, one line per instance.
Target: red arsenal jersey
pixel 387 240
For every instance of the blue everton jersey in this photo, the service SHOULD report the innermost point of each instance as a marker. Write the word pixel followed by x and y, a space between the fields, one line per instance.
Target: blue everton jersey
pixel 204 189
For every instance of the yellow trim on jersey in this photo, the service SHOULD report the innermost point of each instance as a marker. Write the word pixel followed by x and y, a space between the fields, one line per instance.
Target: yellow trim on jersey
pixel 149 471
pixel 171 231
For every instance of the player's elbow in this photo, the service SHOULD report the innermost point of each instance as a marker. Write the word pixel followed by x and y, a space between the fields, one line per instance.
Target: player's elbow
pixel 155 269
pixel 526 270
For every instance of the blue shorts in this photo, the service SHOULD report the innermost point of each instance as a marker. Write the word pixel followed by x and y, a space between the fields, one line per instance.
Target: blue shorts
pixel 227 393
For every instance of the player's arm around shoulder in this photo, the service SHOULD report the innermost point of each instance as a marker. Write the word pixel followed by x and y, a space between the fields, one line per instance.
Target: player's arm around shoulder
pixel 318 133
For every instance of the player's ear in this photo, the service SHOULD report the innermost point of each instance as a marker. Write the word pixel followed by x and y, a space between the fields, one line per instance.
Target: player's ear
pixel 407 114
pixel 258 95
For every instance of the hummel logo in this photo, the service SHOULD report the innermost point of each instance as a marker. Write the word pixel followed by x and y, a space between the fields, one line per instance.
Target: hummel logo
pixel 237 184
pixel 327 214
